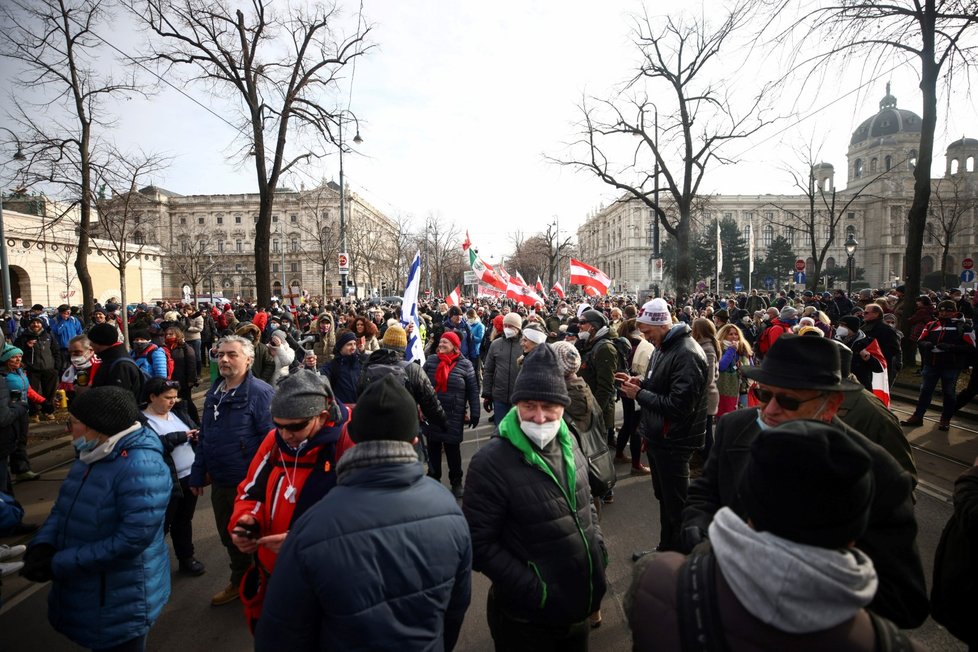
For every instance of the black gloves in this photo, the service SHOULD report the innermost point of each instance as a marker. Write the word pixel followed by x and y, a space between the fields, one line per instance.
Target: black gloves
pixel 487 404
pixel 473 423
pixel 37 563
pixel 691 537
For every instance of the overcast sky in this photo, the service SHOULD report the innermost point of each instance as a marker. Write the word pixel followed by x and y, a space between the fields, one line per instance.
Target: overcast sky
pixel 460 102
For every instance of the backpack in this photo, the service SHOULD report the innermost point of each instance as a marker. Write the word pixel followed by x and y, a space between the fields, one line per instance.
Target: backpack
pixel 376 371
pixel 166 352
pixel 623 349
pixel 698 610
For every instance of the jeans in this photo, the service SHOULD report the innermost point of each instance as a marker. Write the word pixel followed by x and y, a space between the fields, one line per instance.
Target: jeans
pixel 195 344
pixel 628 433
pixel 949 378
pixel 453 453
pixel 179 521
pixel 512 635
pixel 670 482
pixel 222 499
pixel 137 644
pixel 500 410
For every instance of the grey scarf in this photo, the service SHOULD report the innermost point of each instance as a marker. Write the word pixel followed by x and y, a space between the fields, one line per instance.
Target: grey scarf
pixel 794 587
pixel 372 453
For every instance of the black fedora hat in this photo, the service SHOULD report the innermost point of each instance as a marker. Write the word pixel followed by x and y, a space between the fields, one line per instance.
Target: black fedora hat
pixel 798 362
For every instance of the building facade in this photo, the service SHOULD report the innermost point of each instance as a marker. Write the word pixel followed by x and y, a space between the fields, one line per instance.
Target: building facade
pixel 209 243
pixel 873 208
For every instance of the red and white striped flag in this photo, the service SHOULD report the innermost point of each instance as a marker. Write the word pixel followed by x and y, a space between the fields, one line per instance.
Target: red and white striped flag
pixel 519 277
pixel 455 298
pixel 485 272
pixel 591 291
pixel 881 383
pixel 522 293
pixel 558 288
pixel 540 290
pixel 589 277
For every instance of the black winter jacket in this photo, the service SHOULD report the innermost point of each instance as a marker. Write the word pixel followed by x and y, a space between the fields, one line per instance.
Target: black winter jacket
pixel 890 539
pixel 463 390
pixel 416 382
pixel 674 393
pixel 543 553
pixel 500 369
pixel 39 357
pixel 115 371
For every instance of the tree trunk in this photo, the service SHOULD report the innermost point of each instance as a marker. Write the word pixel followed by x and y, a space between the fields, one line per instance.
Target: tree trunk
pixel 921 189
pixel 122 301
pixel 263 276
pixel 81 257
pixel 683 276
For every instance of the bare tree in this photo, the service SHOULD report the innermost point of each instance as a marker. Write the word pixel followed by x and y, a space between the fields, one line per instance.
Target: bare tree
pixel 404 247
pixel 54 45
pixel 441 246
pixel 66 271
pixel 954 201
pixel 191 255
pixel 127 218
pixel 681 59
pixel 318 224
pixel 931 32
pixel 279 61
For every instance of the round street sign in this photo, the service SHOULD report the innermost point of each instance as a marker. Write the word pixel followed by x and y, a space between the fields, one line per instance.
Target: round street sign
pixel 800 265
pixel 967 276
pixel 967 263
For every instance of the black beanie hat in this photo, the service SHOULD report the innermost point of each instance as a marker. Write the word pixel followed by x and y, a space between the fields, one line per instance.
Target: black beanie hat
pixel 341 341
pixel 851 322
pixel 540 379
pixel 106 410
pixel 384 411
pixel 104 334
pixel 809 482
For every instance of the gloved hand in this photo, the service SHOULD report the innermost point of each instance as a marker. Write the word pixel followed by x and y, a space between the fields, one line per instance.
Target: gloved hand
pixel 473 423
pixel 487 404
pixel 691 537
pixel 37 563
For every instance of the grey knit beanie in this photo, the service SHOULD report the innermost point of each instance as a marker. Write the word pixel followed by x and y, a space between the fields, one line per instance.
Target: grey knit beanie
pixel 541 379
pixel 300 395
pixel 568 357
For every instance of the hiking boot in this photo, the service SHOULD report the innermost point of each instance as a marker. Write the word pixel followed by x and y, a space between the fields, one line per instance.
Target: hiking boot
pixel 944 425
pixel 457 490
pixel 641 469
pixel 35 418
pixel 26 476
pixel 912 421
pixel 8 552
pixel 191 566
pixel 10 567
pixel 228 595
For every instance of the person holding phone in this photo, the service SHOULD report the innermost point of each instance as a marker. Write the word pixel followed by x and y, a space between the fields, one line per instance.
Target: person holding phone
pixel 168 417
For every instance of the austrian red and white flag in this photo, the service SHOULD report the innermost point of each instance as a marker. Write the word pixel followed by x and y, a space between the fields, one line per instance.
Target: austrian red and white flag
pixel 591 291
pixel 881 383
pixel 455 298
pixel 503 274
pixel 558 288
pixel 467 243
pixel 519 277
pixel 589 277
pixel 540 290
pixel 522 293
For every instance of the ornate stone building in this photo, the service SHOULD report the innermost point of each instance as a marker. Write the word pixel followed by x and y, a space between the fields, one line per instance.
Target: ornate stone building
pixel 880 162
pixel 209 242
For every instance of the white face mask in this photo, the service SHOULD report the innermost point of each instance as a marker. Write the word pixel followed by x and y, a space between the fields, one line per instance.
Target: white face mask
pixel 541 434
pixel 584 336
pixel 842 331
pixel 562 311
pixel 510 333
pixel 78 360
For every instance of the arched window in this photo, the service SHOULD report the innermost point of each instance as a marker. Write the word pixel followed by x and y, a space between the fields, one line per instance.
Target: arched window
pixel 912 160
pixel 857 168
pixel 789 235
pixel 768 235
pixel 888 162
pixel 954 166
pixel 746 233
pixel 969 164
pixel 850 231
pixel 830 262
pixel 872 164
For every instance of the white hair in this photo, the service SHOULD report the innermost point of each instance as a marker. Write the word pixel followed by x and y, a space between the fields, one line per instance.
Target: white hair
pixel 246 345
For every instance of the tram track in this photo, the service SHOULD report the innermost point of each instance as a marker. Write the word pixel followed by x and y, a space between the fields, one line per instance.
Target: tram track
pixel 927 451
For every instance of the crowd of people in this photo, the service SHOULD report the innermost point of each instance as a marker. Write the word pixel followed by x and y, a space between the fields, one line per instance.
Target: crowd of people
pixel 763 418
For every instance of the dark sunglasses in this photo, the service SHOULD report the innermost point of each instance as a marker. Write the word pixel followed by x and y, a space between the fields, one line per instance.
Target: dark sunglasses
pixel 294 427
pixel 787 402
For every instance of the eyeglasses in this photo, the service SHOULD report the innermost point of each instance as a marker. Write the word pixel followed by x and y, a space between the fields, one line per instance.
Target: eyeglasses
pixel 294 427
pixel 786 402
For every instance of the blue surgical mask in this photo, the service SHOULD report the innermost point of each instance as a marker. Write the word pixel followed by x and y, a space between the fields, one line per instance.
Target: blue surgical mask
pixel 83 445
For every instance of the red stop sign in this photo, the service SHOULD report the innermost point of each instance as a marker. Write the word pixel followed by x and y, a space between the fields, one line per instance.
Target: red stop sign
pixel 800 265
pixel 967 263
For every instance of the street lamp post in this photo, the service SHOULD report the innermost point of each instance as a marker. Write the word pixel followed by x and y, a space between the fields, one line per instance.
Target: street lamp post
pixel 851 245
pixel 356 139
pixel 8 303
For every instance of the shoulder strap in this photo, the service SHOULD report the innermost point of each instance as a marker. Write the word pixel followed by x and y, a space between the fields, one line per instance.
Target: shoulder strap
pixel 700 627
pixel 888 637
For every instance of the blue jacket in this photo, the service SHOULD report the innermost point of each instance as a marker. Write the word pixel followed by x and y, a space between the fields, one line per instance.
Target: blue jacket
pixel 65 329
pixel 478 331
pixel 227 443
pixel 382 562
pixel 111 570
pixel 152 361
pixel 343 372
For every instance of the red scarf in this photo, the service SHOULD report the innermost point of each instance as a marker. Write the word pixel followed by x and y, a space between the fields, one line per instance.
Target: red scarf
pixel 446 362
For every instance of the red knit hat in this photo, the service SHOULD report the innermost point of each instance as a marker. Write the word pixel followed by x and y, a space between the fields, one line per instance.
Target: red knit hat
pixel 452 337
pixel 497 323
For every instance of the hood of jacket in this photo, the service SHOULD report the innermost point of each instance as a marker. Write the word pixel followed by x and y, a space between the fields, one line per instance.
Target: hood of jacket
pixel 794 587
pixel 676 333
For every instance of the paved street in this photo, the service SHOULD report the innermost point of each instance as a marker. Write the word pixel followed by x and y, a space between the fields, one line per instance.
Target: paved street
pixel 190 624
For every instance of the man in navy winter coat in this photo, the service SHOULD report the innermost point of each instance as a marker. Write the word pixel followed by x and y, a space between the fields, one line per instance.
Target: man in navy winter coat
pixel 383 561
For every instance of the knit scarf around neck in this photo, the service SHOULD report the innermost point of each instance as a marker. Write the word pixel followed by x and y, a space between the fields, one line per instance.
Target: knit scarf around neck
pixel 446 362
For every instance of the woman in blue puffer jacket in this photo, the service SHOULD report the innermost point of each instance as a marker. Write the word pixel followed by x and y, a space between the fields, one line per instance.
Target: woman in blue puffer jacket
pixel 102 546
pixel 453 378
